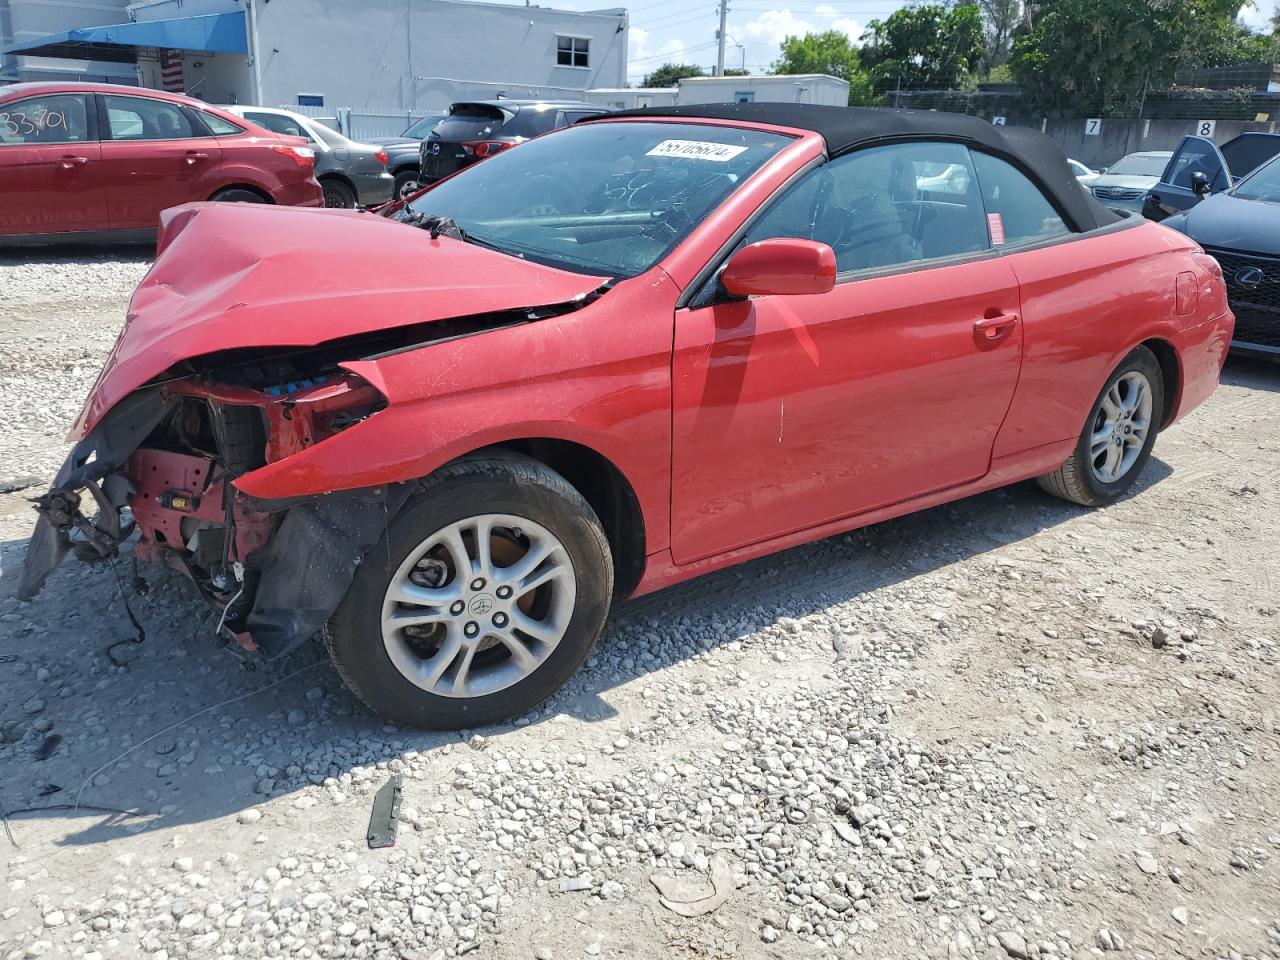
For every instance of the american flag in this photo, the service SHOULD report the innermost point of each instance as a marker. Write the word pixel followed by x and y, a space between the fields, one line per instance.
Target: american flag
pixel 171 71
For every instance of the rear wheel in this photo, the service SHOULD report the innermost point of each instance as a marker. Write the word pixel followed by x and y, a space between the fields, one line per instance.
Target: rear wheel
pixel 338 195
pixel 1118 435
pixel 237 195
pixel 407 184
pixel 486 594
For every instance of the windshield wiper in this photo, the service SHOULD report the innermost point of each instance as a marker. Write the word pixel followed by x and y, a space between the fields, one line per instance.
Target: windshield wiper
pixel 442 226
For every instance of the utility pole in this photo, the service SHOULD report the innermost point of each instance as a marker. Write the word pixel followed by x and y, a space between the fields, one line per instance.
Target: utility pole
pixel 724 12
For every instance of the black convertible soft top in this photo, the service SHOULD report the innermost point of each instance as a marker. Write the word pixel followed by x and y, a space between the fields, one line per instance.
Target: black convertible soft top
pixel 849 128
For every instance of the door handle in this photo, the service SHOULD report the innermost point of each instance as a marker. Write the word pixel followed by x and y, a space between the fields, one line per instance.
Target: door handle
pixel 994 328
pixel 193 157
pixel 70 162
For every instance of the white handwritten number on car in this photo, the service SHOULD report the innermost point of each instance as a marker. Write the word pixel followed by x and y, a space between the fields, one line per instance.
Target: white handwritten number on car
pixel 19 124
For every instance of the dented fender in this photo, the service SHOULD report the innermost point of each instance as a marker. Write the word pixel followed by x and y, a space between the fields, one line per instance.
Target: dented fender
pixel 553 379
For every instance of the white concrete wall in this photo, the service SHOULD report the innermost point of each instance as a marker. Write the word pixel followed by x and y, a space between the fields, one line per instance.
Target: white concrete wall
pixel 29 19
pixel 798 88
pixel 421 54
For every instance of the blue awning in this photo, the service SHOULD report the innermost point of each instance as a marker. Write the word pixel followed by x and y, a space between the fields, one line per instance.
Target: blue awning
pixel 215 33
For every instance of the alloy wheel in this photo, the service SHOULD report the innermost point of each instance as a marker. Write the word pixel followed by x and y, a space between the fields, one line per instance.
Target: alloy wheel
pixel 478 606
pixel 1120 427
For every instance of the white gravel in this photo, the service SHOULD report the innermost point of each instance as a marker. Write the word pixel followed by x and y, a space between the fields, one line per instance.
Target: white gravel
pixel 1002 728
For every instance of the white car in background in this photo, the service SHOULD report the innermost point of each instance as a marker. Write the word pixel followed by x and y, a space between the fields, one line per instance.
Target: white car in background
pixel 1085 175
pixel 954 179
pixel 352 174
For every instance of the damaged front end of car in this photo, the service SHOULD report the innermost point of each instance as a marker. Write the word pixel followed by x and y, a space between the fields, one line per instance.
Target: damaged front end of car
pixel 164 462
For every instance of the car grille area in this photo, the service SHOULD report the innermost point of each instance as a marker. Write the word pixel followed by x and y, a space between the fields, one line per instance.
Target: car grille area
pixel 1253 290
pixel 1117 193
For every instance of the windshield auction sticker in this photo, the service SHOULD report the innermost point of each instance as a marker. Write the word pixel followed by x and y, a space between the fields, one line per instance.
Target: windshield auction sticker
pixel 696 150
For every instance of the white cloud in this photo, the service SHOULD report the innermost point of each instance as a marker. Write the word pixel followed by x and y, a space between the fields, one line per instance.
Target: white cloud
pixel 1255 16
pixel 774 26
pixel 852 28
pixel 826 10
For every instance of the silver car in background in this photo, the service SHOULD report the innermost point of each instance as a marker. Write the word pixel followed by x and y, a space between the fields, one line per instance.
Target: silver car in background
pixel 353 174
pixel 1126 182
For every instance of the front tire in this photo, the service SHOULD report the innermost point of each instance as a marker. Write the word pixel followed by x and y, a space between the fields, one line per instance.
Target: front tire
pixel 486 593
pixel 237 195
pixel 1118 435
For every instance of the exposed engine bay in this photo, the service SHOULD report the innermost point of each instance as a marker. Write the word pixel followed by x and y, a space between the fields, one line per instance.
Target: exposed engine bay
pixel 194 435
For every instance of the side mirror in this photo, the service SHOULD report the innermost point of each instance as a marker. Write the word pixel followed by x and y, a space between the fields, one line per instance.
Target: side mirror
pixel 785 266
pixel 1200 183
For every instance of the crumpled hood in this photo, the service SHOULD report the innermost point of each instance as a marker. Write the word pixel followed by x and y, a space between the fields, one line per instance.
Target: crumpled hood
pixel 233 275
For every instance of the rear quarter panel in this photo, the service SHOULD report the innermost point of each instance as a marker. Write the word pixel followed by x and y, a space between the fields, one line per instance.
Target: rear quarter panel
pixel 1085 305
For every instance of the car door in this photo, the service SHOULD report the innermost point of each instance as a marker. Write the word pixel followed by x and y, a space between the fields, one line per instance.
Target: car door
pixel 51 177
pixel 791 411
pixel 157 154
pixel 1176 191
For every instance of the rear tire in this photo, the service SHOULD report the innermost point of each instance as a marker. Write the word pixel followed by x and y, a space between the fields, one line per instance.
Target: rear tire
pixel 337 195
pixel 1118 435
pixel 237 195
pixel 490 640
pixel 407 183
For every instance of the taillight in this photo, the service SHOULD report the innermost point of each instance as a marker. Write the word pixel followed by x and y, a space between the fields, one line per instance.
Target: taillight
pixel 302 156
pixel 485 148
pixel 381 155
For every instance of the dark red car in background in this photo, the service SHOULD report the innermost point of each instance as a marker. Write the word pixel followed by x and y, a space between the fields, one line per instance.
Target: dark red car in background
pixel 102 158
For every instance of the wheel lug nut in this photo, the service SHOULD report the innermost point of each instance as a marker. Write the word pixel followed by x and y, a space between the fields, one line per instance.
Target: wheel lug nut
pixel 504 593
pixel 477 583
pixel 457 607
pixel 499 619
pixel 471 629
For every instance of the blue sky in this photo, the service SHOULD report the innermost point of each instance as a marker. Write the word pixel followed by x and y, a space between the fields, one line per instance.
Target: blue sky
pixel 684 30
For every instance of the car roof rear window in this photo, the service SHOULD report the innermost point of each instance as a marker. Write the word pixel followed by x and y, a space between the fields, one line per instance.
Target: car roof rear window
pixel 468 121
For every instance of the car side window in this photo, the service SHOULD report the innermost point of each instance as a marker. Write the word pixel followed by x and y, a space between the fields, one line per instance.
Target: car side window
pixel 137 118
pixel 1017 210
pixel 57 118
pixel 218 126
pixel 1194 156
pixel 278 124
pixel 884 206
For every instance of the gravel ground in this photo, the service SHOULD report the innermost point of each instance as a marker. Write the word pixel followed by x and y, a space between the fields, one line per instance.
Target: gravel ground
pixel 1002 728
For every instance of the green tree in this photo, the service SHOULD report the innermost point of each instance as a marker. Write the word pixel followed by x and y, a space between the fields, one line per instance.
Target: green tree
pixel 1000 19
pixel 1102 57
pixel 929 47
pixel 831 53
pixel 669 74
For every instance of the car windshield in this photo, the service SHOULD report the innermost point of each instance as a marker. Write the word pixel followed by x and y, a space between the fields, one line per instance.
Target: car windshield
pixel 1139 165
pixel 605 197
pixel 1264 184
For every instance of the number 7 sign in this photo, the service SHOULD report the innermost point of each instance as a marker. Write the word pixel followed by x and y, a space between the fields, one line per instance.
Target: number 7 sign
pixel 1093 126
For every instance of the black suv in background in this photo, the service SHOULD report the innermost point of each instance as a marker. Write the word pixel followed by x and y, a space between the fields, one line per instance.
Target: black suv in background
pixel 477 129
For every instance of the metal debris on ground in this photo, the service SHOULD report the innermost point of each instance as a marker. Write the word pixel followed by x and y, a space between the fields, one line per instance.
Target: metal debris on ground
pixel 385 818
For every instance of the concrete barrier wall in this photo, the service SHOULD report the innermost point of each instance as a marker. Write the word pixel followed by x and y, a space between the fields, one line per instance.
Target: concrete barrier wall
pixel 1115 138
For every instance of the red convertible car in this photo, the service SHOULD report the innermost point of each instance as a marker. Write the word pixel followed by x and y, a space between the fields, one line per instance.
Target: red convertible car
pixel 449 436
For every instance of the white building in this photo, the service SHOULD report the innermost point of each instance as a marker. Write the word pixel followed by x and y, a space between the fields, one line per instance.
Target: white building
pixel 406 54
pixel 631 98
pixel 788 88
pixel 28 19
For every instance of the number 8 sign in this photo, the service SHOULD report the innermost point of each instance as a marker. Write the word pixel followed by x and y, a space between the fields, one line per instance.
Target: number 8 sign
pixel 1205 128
